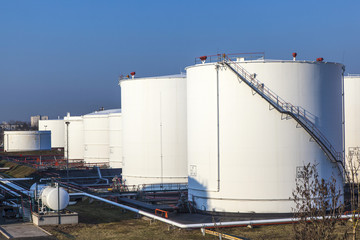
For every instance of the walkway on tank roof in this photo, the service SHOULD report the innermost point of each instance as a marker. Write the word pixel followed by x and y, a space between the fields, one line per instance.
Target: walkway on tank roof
pixel 105 112
pixel 352 75
pixel 268 61
pixel 181 75
pixel 171 76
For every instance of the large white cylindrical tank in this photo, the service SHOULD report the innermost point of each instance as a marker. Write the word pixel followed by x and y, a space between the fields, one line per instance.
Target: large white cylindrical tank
pixel 352 119
pixel 57 129
pixel 74 137
pixel 154 130
pixel 55 198
pixel 17 141
pixel 243 154
pixel 115 137
pixel 96 137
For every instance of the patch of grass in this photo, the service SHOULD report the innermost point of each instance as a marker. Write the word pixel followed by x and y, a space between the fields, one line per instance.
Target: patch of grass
pixel 95 212
pixel 16 170
pixel 138 229
pixel 101 221
pixel 98 220
pixel 34 153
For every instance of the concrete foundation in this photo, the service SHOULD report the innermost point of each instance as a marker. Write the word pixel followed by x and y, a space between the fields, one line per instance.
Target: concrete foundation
pixel 22 231
pixel 55 218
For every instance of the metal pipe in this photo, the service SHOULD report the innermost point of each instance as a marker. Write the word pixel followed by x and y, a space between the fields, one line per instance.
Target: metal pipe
pixel 67 148
pixel 10 191
pixel 12 185
pixel 15 179
pixel 90 177
pixel 217 136
pixel 218 126
pixel 58 210
pixel 199 225
pixel 100 177
pixel 161 147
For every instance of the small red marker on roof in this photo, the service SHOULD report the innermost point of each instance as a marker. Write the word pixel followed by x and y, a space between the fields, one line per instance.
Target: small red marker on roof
pixel 203 59
pixel 132 74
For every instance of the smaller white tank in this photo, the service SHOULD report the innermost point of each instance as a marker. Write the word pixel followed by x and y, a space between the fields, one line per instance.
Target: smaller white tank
pixel 57 128
pixel 55 198
pixel 115 143
pixel 74 137
pixel 17 141
pixel 96 137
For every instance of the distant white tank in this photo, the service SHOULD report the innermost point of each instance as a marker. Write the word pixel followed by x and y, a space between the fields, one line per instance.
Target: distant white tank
pixel 115 136
pixel 243 154
pixel 55 198
pixel 154 130
pixel 352 119
pixel 74 137
pixel 57 128
pixel 17 141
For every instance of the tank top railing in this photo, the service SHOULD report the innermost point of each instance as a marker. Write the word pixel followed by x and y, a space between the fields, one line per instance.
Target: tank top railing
pixel 297 112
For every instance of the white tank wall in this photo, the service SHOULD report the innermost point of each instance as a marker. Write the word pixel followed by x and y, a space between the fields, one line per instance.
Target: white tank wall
pixel 75 137
pixel 57 128
pixel 352 115
pixel 17 141
pixel 154 130
pixel 96 138
pixel 259 153
pixel 115 140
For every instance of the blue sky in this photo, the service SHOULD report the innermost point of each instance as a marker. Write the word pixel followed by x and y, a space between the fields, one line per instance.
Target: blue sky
pixel 63 56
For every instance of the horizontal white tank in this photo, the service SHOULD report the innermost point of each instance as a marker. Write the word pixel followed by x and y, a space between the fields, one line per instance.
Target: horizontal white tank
pixel 154 130
pixel 74 137
pixel 57 128
pixel 55 198
pixel 352 119
pixel 18 141
pixel 243 155
pixel 96 137
pixel 115 135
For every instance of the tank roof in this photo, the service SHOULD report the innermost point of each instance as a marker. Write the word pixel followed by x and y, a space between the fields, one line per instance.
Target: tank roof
pixel 27 132
pixel 352 76
pixel 105 112
pixel 181 75
pixel 268 61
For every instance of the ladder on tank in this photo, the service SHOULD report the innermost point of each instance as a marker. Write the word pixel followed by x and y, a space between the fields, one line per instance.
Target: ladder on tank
pixel 297 113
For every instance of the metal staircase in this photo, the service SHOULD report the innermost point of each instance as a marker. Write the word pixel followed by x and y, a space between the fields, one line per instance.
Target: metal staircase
pixel 295 112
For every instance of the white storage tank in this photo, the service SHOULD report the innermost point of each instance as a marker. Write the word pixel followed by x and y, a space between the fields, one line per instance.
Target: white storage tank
pixel 74 137
pixel 243 154
pixel 18 141
pixel 154 130
pixel 55 198
pixel 57 128
pixel 115 137
pixel 352 118
pixel 96 137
